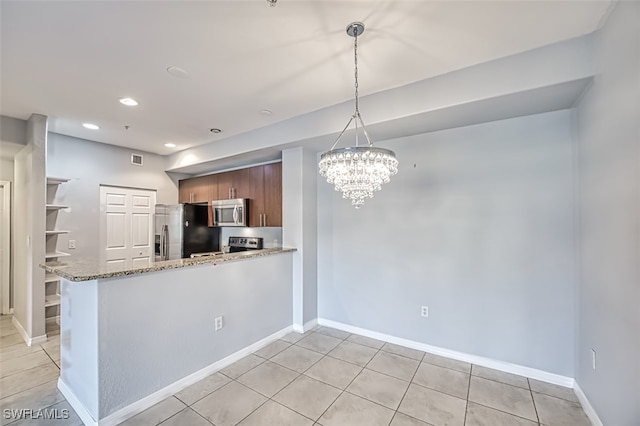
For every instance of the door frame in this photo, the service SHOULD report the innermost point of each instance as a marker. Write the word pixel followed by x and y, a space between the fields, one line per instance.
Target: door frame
pixel 5 260
pixel 103 218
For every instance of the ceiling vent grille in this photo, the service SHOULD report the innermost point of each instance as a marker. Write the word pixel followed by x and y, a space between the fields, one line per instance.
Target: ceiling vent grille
pixel 136 159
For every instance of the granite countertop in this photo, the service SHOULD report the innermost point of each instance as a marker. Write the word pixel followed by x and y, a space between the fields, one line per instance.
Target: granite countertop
pixel 86 270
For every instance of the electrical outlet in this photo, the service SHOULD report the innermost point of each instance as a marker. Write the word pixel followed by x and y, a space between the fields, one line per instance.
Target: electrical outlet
pixel 593 359
pixel 425 311
pixel 72 244
pixel 218 323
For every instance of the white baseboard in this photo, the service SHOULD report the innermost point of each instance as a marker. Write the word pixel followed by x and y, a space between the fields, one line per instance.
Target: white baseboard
pixel 73 400
pixel 30 341
pixel 306 327
pixel 150 400
pixel 520 370
pixel 586 406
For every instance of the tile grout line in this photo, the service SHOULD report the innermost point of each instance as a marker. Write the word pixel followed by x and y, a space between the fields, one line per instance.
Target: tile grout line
pixel 299 374
pixel 407 390
pixel 466 405
pixel 342 391
pixel 535 408
pixel 311 378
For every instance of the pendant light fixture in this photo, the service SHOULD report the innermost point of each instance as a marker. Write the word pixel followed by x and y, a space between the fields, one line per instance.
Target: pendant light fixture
pixel 358 171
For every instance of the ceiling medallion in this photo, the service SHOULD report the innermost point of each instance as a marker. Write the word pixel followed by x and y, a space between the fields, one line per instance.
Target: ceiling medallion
pixel 357 171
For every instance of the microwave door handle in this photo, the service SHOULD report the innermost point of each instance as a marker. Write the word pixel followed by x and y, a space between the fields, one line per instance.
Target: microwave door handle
pixel 235 214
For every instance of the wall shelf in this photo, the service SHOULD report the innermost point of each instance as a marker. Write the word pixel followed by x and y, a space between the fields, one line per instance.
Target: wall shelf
pixel 56 232
pixel 51 300
pixel 56 207
pixel 51 284
pixel 56 180
pixel 51 278
pixel 54 254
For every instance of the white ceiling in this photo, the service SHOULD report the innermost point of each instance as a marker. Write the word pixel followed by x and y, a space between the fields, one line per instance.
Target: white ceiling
pixel 72 60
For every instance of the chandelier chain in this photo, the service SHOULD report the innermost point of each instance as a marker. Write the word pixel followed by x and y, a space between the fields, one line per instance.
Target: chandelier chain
pixel 355 61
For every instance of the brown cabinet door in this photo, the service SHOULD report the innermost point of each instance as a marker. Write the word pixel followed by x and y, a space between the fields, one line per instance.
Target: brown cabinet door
pixel 197 190
pixel 185 191
pixel 225 182
pixel 256 195
pixel 201 189
pixel 241 183
pixel 272 195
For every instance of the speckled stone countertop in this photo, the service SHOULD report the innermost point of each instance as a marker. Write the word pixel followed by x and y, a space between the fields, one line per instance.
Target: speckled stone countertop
pixel 86 270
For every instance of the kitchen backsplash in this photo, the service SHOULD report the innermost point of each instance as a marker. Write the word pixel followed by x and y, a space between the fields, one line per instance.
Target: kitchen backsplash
pixel 269 234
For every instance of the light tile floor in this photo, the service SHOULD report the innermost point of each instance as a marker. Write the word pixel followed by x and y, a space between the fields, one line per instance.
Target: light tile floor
pixel 323 377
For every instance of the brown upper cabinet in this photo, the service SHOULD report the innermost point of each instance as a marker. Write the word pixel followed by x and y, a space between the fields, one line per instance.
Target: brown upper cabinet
pixel 262 185
pixel 197 189
pixel 272 205
pixel 233 184
pixel 266 195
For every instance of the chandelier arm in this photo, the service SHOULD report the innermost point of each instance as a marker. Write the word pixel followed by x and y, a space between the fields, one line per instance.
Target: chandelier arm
pixel 342 132
pixel 364 129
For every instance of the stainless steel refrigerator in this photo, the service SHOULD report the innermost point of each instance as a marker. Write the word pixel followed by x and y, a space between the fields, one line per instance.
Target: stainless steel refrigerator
pixel 181 230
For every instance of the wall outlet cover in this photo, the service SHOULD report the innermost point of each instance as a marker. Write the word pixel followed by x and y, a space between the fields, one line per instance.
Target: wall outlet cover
pixel 218 323
pixel 425 311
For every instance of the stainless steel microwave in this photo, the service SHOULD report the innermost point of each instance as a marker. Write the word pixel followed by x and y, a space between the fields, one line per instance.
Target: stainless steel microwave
pixel 230 212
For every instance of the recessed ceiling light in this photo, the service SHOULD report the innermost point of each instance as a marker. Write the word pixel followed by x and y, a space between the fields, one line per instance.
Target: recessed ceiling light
pixel 170 145
pixel 214 130
pixel 128 101
pixel 266 112
pixel 90 126
pixel 177 72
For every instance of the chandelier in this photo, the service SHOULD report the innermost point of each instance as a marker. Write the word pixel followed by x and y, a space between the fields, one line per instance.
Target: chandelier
pixel 357 171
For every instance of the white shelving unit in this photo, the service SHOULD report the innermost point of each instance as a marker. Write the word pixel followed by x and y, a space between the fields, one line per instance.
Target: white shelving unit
pixel 52 281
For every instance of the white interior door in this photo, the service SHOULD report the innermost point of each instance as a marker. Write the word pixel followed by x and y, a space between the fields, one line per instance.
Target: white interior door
pixel 126 228
pixel 5 238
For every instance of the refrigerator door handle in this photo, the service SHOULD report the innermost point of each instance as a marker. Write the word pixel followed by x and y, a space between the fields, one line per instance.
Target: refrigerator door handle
pixel 161 246
pixel 163 243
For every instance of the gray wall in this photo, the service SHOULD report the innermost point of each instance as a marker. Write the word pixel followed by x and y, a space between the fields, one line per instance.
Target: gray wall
pixel 91 164
pixel 6 169
pixel 477 225
pixel 609 226
pixel 28 230
pixel 300 229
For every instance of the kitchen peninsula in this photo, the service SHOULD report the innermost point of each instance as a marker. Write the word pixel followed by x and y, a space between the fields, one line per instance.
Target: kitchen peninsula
pixel 132 337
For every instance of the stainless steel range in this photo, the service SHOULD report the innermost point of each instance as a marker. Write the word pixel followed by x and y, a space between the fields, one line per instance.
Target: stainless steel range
pixel 237 244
